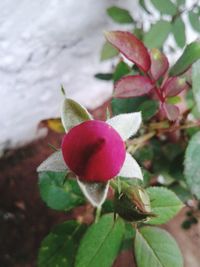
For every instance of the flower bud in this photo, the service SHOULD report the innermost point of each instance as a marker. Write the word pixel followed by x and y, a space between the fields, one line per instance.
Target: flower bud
pixel 94 151
pixel 134 205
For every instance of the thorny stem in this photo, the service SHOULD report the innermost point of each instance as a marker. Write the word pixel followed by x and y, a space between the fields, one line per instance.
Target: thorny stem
pixel 163 127
pixel 136 143
pixel 182 127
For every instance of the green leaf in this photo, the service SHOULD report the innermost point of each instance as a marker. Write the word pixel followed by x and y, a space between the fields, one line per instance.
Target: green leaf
pixel 60 246
pixel 189 56
pixel 164 203
pixel 154 40
pixel 181 192
pixel 126 105
pixel 101 243
pixel 72 114
pixel 108 51
pixel 121 70
pixel 144 153
pixel 54 163
pixel 180 2
pixel 192 166
pixel 58 192
pixel 138 32
pixel 174 100
pixel 194 20
pixel 104 76
pixel 149 108
pixel 165 7
pixel 127 243
pixel 178 31
pixel 196 83
pixel 119 15
pixel 155 247
pixel 143 5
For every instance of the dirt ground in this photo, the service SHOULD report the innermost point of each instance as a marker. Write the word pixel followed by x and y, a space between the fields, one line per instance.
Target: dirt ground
pixel 25 220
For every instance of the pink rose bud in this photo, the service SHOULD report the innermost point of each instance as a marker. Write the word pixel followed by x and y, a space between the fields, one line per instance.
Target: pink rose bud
pixel 94 151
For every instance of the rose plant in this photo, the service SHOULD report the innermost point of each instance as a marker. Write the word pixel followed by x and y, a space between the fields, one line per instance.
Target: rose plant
pixel 96 163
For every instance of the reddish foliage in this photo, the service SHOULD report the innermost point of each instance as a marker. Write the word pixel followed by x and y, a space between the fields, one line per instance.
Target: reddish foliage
pixel 174 86
pixel 130 47
pixel 159 64
pixel 171 111
pixel 152 81
pixel 131 86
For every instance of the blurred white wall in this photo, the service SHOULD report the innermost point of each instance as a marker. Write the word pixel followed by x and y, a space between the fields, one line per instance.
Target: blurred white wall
pixel 46 43
pixel 43 44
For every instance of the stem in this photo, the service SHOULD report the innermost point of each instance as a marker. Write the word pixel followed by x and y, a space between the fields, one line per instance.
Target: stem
pixel 182 127
pixel 53 147
pixel 157 91
pixel 136 143
pixel 164 126
pixel 98 214
pixel 159 125
pixel 159 94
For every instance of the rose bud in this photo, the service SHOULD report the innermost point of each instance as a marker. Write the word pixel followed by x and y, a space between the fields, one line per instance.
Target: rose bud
pixel 133 204
pixel 94 151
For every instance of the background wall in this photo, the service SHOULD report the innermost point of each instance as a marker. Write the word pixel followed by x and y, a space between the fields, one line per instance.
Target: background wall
pixel 43 44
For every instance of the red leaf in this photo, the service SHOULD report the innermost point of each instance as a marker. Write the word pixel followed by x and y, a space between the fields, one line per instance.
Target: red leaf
pixel 159 63
pixel 131 86
pixel 171 111
pixel 130 47
pixel 174 85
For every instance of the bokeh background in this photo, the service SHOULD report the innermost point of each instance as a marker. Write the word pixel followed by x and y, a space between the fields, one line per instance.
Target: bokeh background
pixel 45 44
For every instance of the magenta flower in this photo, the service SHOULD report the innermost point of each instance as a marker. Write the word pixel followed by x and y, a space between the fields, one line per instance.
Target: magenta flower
pixel 95 150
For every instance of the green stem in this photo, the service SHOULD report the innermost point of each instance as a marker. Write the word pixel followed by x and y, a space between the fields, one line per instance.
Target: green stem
pixel 98 214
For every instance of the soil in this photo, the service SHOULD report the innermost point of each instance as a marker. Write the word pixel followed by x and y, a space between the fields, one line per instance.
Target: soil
pixel 25 220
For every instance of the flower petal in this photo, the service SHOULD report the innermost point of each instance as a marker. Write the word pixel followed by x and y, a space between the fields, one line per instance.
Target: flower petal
pixel 96 193
pixel 72 114
pixel 126 124
pixel 54 163
pixel 131 168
